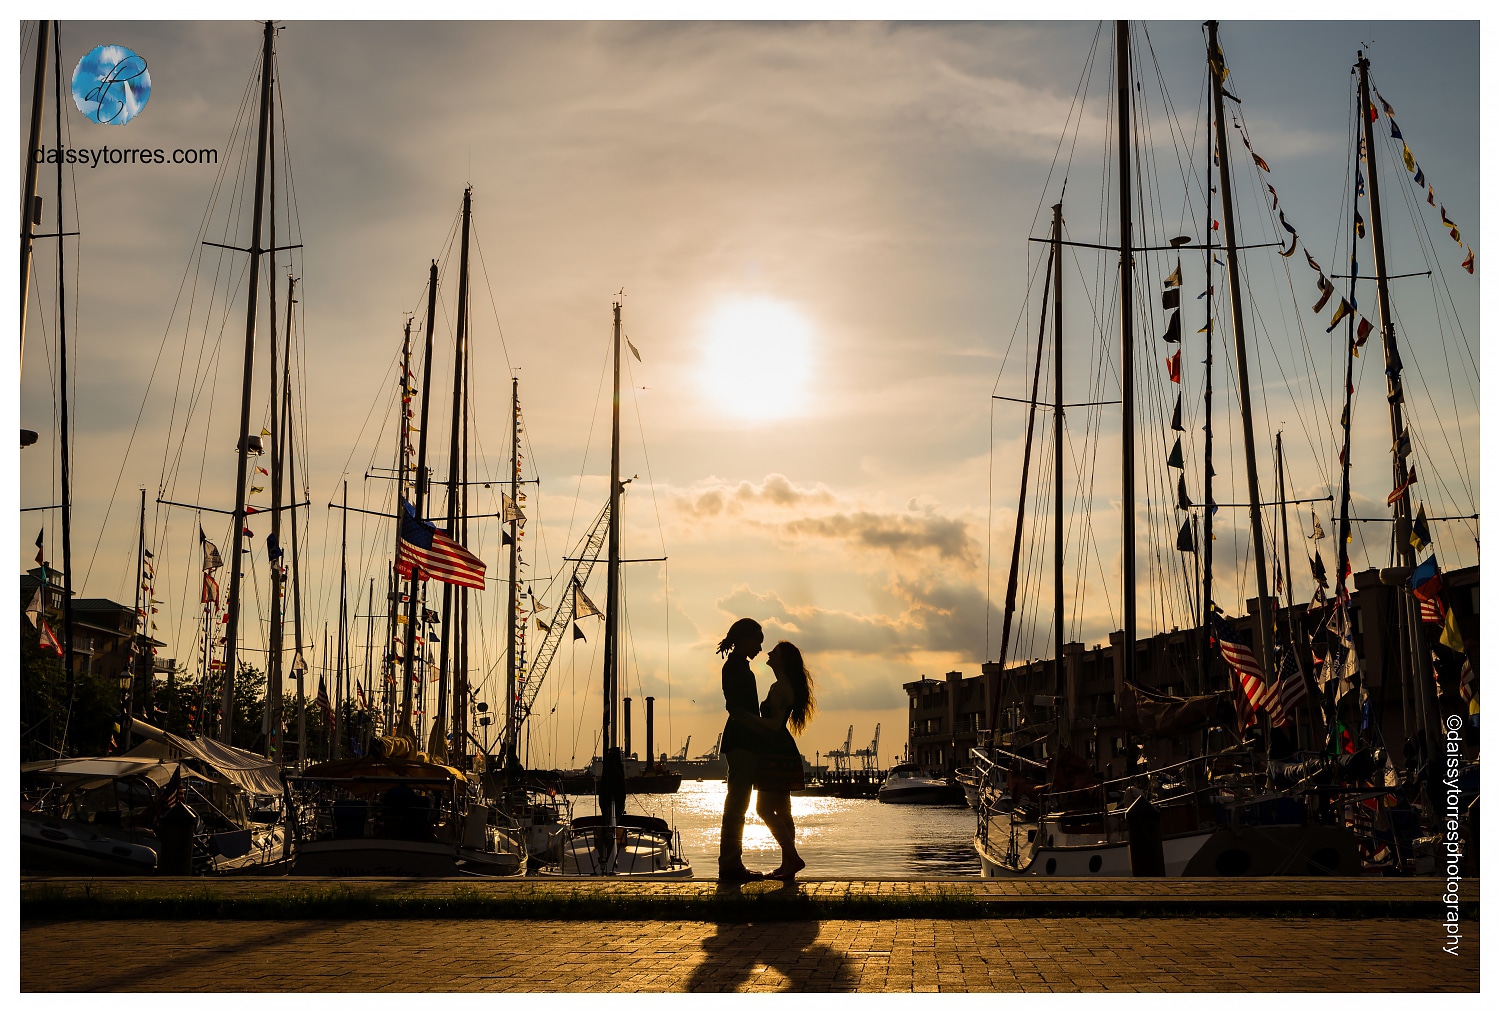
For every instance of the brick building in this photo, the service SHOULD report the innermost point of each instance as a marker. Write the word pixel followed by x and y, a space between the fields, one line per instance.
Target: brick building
pixel 947 717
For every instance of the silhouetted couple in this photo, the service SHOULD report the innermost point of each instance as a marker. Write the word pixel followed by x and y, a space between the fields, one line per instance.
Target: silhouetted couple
pixel 759 747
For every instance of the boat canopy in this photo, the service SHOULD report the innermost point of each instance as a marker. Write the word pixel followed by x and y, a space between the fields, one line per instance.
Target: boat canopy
pixel 88 772
pixel 249 771
pixel 371 774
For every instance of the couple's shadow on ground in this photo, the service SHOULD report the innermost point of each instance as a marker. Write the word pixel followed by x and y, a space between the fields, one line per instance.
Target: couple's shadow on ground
pixel 738 950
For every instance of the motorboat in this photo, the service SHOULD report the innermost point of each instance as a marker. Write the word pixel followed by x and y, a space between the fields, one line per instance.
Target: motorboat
pixel 909 783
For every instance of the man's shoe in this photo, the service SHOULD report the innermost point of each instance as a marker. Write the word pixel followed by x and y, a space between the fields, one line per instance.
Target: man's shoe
pixel 739 876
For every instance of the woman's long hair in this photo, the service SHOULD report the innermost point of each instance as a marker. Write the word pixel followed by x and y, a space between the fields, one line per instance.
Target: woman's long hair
pixel 803 704
pixel 740 631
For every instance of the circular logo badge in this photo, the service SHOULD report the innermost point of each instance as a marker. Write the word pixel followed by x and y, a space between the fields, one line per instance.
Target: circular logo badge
pixel 111 85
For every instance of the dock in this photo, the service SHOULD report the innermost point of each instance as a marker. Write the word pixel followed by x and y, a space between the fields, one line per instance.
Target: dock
pixel 1356 934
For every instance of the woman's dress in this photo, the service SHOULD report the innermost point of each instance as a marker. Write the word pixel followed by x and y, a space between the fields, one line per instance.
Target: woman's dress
pixel 780 766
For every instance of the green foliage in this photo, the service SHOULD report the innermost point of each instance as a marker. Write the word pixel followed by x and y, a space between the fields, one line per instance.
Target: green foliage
pixel 49 727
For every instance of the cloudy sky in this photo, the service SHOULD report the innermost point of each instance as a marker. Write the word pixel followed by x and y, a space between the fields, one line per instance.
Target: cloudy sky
pixel 820 231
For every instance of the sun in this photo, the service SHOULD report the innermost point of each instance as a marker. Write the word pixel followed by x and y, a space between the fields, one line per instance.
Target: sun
pixel 757 358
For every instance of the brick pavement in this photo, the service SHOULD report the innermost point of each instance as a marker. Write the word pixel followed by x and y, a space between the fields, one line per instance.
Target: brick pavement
pixel 904 955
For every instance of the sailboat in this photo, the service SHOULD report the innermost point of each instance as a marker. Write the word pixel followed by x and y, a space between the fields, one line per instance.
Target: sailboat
pixel 400 810
pixel 1216 812
pixel 613 842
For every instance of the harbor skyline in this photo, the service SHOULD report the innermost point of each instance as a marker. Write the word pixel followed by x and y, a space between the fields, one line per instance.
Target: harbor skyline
pixel 860 191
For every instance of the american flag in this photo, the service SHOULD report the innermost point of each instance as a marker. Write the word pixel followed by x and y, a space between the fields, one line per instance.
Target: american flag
pixel 174 794
pixel 434 555
pixel 1432 610
pixel 1239 657
pixel 323 702
pixel 1290 689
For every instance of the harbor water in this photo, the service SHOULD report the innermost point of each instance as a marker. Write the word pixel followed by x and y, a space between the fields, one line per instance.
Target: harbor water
pixel 839 838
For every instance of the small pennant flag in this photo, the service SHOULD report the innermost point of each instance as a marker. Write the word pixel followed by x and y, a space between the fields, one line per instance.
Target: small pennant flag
pixel 1260 162
pixel 1174 460
pixel 1317 532
pixel 1399 491
pixel 1469 261
pixel 1344 309
pixel 633 350
pixel 1431 197
pixel 1326 288
pixel 1174 326
pixel 1385 105
pixel 1359 225
pixel 49 640
pixel 1183 502
pixel 1174 367
pixel 1185 541
pixel 1419 180
pixel 578 634
pixel 1177 414
pixel 1421 536
pixel 1362 333
pixel 1170 299
pixel 39 561
pixel 1175 278
pixel 1407 158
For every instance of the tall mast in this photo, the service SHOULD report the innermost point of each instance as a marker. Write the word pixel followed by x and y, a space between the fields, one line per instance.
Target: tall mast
pixel 273 655
pixel 1127 351
pixel 1236 312
pixel 65 434
pixel 515 552
pixel 449 650
pixel 1060 691
pixel 340 682
pixel 460 714
pixel 1411 662
pixel 252 301
pixel 369 674
pixel 403 464
pixel 415 609
pixel 289 461
pixel 141 619
pixel 612 593
pixel 1286 545
pixel 29 216
pixel 1205 649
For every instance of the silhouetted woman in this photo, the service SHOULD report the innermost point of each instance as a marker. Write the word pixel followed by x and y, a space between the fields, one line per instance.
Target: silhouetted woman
pixel 744 737
pixel 788 706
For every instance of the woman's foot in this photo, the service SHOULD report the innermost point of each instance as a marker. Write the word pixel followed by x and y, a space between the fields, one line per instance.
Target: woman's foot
pixel 788 870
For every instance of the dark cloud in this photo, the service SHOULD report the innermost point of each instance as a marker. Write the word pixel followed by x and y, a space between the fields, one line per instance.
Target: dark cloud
pixel 948 537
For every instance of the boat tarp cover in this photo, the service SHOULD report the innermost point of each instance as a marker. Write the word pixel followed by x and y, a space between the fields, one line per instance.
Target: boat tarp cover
pixel 373 772
pixel 1152 714
pixel 88 769
pixel 249 771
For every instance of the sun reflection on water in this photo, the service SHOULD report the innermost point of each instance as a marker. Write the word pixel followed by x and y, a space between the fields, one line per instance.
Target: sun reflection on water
pixel 858 838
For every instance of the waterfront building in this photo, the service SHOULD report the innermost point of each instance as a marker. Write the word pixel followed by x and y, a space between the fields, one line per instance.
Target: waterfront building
pixel 947 717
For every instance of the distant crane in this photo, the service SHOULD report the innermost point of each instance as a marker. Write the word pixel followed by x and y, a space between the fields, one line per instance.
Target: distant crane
pixel 869 757
pixel 840 758
pixel 682 754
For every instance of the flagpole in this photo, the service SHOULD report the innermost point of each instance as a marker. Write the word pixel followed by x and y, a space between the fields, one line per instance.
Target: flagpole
pixel 1410 629
pixel 252 301
pixel 611 761
pixel 1065 716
